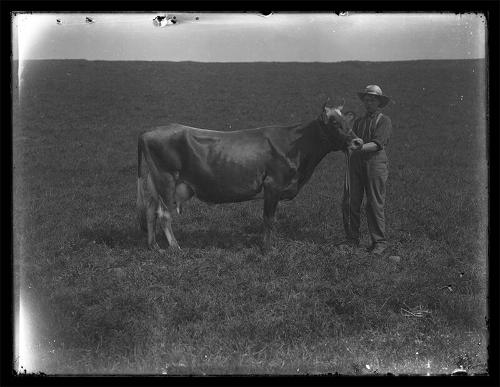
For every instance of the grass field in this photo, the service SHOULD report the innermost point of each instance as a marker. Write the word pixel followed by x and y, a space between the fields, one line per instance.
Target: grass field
pixel 100 302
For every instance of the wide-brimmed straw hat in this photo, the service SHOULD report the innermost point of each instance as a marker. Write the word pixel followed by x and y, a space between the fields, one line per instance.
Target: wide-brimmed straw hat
pixel 376 91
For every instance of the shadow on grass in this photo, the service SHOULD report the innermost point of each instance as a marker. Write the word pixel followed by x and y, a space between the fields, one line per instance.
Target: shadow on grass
pixel 248 236
pixel 290 229
pixel 128 238
pixel 113 236
pixel 224 239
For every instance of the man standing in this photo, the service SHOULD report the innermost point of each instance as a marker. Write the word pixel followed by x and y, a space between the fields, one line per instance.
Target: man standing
pixel 368 172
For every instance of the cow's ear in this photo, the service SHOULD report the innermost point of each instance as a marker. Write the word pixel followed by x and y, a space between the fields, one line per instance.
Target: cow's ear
pixel 326 103
pixel 341 105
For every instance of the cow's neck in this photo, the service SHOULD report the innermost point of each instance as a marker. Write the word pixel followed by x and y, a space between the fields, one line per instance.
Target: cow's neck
pixel 313 145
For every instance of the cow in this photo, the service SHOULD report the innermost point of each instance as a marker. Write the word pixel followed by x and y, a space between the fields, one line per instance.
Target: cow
pixel 177 162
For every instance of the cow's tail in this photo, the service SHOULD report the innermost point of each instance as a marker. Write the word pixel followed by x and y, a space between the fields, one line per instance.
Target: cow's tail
pixel 141 181
pixel 159 186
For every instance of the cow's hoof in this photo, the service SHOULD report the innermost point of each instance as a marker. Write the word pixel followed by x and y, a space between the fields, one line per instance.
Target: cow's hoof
pixel 156 248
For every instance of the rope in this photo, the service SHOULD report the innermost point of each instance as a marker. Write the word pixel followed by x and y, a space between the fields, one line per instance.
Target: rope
pixel 347 185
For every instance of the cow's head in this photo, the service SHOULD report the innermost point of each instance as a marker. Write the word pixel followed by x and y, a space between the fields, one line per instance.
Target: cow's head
pixel 339 128
pixel 333 113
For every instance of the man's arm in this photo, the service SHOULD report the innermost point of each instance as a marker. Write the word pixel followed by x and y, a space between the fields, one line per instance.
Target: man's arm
pixel 380 137
pixel 382 132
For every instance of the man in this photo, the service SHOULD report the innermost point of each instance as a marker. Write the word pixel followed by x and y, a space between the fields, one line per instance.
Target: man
pixel 367 172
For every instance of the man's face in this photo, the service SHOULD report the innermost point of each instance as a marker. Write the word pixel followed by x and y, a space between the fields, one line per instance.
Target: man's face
pixel 371 103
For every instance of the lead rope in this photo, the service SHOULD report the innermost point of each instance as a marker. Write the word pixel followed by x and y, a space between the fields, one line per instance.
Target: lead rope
pixel 347 185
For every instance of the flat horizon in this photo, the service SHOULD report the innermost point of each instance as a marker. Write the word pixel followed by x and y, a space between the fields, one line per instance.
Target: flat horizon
pixel 249 62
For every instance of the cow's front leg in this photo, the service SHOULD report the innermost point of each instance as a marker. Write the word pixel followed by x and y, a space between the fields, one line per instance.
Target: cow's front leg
pixel 271 198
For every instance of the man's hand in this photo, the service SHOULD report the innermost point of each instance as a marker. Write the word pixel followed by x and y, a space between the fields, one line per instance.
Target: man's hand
pixel 358 143
pixel 355 145
pixel 369 147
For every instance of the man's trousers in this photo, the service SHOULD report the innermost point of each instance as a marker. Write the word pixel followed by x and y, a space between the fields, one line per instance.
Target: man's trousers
pixel 367 174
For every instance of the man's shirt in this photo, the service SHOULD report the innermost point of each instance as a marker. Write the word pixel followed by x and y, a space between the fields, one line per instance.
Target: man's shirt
pixel 372 128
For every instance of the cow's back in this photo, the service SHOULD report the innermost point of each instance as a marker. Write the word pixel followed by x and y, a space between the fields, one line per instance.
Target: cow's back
pixel 218 166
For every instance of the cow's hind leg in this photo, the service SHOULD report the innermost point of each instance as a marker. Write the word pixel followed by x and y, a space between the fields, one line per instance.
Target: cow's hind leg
pixel 165 218
pixel 271 199
pixel 151 216
pixel 141 208
pixel 149 197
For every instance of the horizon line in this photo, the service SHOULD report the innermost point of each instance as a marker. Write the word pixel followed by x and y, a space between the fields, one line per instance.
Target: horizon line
pixel 258 61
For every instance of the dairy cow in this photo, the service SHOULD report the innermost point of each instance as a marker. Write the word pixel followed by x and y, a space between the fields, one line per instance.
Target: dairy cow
pixel 177 162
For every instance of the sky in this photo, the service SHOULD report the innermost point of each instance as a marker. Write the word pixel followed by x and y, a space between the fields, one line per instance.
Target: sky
pixel 247 37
